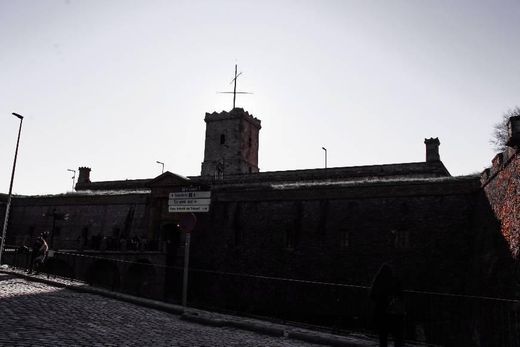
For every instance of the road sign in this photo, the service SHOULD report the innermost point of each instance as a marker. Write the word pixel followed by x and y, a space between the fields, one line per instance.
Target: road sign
pixel 187 222
pixel 204 208
pixel 191 195
pixel 188 202
pixel 194 201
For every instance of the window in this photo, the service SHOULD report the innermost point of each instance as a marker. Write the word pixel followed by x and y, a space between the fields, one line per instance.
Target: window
pixel 57 231
pixel 293 230
pixel 116 231
pixel 290 238
pixel 83 240
pixel 235 214
pixel 237 236
pixel 323 217
pixel 401 239
pixel 344 241
pixel 222 139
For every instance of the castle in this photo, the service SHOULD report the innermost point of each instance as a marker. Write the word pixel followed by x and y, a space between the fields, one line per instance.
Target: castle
pixel 271 241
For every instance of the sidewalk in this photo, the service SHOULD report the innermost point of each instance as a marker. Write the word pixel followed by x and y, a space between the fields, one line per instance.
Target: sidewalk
pixel 207 317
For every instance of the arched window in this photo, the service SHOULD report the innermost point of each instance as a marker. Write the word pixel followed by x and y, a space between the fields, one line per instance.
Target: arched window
pixel 222 139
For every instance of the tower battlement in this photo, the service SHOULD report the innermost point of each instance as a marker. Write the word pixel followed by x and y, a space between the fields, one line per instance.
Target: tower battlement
pixel 234 113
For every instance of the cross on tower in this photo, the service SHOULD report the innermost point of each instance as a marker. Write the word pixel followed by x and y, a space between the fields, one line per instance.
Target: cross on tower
pixel 234 81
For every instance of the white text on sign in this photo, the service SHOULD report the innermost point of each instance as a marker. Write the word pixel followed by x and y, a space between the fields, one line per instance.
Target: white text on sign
pixel 184 202
pixel 188 208
pixel 190 195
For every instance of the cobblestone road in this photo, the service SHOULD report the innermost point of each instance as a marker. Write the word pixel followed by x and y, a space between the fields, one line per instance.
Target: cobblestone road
pixel 36 314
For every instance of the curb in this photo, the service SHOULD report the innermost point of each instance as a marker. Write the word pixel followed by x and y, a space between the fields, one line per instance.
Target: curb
pixel 195 318
pixel 254 326
pixel 258 328
pixel 149 303
pixel 324 340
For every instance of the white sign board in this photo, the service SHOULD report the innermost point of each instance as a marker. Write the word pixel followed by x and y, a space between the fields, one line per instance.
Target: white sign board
pixel 188 208
pixel 195 201
pixel 187 202
pixel 191 195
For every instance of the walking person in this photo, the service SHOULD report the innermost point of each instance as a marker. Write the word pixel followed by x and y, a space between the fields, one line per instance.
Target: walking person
pixel 38 254
pixel 386 292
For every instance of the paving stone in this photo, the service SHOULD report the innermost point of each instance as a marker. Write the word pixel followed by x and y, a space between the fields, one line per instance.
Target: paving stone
pixel 38 314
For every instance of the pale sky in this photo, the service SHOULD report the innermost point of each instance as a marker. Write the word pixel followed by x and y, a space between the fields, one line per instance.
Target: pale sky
pixel 117 85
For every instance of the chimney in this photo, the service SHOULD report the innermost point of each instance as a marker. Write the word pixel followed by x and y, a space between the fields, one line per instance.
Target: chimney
pixel 84 175
pixel 432 149
pixel 513 132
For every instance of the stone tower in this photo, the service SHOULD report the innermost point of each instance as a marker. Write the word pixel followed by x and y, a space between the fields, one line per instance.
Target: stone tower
pixel 231 145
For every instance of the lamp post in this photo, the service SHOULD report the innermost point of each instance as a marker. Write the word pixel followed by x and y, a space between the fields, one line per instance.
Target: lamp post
pixel 159 162
pixel 7 207
pixel 325 149
pixel 73 177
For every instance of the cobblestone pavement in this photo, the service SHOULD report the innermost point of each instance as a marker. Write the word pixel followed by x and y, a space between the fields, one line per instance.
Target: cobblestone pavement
pixel 37 314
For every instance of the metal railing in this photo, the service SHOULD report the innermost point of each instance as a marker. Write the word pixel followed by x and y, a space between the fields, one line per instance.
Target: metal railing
pixel 434 318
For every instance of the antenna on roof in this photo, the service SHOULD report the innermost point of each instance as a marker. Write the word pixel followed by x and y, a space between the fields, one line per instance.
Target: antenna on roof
pixel 234 92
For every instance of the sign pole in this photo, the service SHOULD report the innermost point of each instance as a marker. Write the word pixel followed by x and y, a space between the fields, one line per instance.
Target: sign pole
pixel 186 265
pixel 187 202
pixel 187 224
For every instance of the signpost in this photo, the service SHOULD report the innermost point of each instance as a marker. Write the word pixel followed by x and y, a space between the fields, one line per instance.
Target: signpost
pixel 186 224
pixel 196 201
pixel 187 203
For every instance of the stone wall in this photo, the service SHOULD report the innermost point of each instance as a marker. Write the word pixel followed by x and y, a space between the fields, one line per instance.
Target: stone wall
pixel 310 253
pixel 344 233
pixel 79 218
pixel 502 187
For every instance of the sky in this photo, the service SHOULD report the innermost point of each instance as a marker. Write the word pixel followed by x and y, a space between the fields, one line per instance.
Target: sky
pixel 119 85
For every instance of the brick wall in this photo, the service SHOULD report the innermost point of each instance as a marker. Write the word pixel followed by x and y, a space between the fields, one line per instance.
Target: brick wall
pixel 502 187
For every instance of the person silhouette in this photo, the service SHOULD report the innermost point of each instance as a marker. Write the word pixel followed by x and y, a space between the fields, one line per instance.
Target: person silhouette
pixel 38 254
pixel 389 312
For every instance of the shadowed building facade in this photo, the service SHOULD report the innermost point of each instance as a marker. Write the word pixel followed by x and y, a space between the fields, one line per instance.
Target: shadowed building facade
pixel 335 225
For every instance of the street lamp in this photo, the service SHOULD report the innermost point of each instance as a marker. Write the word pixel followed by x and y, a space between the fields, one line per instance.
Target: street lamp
pixel 325 149
pixel 73 177
pixel 7 207
pixel 158 162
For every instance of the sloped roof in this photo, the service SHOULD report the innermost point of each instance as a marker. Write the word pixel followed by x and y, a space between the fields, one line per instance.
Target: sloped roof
pixel 165 179
pixel 115 185
pixel 419 170
pixel 353 173
pixel 169 179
